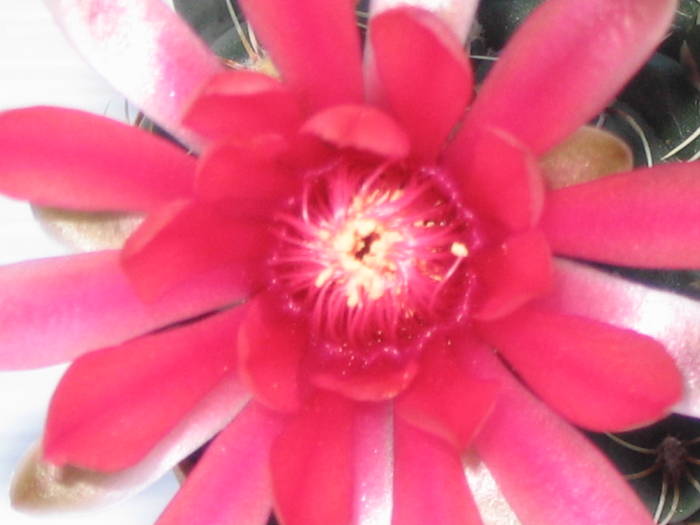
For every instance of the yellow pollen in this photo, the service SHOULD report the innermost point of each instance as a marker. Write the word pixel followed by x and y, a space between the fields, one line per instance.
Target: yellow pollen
pixel 361 261
pixel 459 249
pixel 323 277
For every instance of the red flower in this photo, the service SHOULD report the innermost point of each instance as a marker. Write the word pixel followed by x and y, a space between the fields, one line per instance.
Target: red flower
pixel 384 242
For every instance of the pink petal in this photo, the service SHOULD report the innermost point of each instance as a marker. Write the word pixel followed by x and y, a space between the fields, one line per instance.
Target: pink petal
pixel 498 177
pixel 545 468
pixel 311 462
pixel 88 162
pixel 143 49
pixel 443 400
pixel 373 463
pixel 568 60
pixel 231 483
pixel 113 406
pixel 669 318
pixel 598 376
pixel 429 482
pixel 458 14
pixel 251 102
pixel 363 128
pixel 245 170
pixel 270 345
pixel 41 486
pixel 315 45
pixel 52 310
pixel 428 88
pixel 512 274
pixel 187 239
pixel 645 218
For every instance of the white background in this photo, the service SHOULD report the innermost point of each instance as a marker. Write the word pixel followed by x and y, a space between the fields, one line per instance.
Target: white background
pixel 37 66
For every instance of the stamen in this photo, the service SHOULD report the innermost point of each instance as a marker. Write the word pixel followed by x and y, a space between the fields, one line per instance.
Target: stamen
pixel 376 254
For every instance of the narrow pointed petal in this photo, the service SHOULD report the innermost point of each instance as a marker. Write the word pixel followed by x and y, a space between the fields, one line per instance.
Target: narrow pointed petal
pixel 646 218
pixel 458 14
pixel 312 469
pixel 88 162
pixel 512 274
pixel 314 44
pixel 186 239
pixel 499 177
pixel 249 169
pixel 271 344
pixel 443 400
pixel 113 405
pixel 671 319
pixel 430 485
pixel 38 486
pixel 231 483
pixel 252 103
pixel 373 464
pixel 363 128
pixel 428 88
pixel 53 310
pixel 545 468
pixel 596 375
pixel 599 46
pixel 144 50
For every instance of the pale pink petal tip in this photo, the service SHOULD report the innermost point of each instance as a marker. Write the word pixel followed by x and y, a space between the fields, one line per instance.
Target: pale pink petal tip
pixel 159 67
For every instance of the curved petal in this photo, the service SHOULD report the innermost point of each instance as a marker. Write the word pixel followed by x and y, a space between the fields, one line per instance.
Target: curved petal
pixel 669 318
pixel 231 483
pixel 458 14
pixel 425 78
pixel 88 162
pixel 312 468
pixel 143 49
pixel 443 400
pixel 599 45
pixel 270 348
pixel 363 128
pixel 512 274
pixel 186 239
pixel 314 44
pixel 645 218
pixel 545 468
pixel 52 310
pixel 373 464
pixel 596 375
pixel 499 177
pixel 430 484
pixel 252 103
pixel 113 405
pixel 249 170
pixel 41 486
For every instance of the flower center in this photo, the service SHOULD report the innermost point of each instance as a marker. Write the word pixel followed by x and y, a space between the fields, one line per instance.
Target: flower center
pixel 375 255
